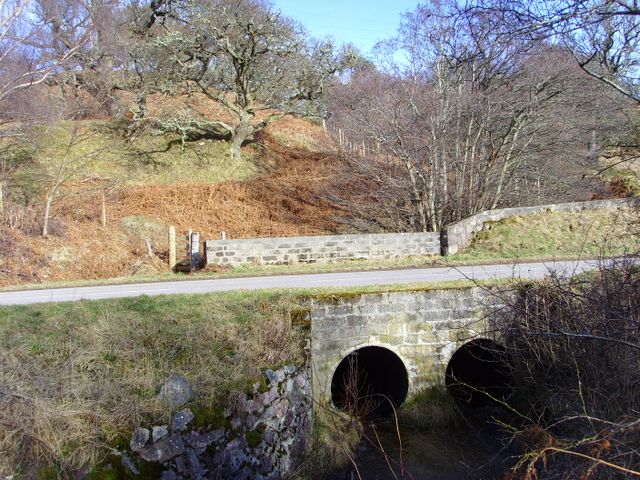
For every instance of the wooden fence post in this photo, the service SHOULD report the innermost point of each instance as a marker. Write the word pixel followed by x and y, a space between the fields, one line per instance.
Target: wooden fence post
pixel 172 247
pixel 194 251
pixel 104 210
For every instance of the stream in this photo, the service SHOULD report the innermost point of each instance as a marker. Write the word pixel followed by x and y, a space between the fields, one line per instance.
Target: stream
pixel 473 451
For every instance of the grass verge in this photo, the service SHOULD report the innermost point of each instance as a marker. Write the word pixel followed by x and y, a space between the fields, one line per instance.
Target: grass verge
pixel 586 234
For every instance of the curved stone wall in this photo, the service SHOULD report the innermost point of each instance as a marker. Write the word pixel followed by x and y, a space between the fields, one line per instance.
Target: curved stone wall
pixel 458 235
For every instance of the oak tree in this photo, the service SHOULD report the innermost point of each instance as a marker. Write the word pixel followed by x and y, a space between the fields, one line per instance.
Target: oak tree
pixel 257 64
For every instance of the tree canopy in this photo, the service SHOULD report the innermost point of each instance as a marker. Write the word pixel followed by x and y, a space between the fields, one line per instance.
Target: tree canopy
pixel 602 35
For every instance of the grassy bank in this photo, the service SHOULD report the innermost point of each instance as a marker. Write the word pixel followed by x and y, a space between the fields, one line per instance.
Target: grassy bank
pixel 586 234
pixel 77 379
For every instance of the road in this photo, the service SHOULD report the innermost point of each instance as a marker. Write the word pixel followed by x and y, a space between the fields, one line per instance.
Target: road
pixel 346 279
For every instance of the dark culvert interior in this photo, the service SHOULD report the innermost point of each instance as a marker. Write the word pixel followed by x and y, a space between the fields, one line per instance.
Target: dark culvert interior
pixel 365 377
pixel 477 367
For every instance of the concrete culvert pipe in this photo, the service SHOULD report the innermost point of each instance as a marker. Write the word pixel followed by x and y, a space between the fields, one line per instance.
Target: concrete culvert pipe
pixel 479 371
pixel 368 381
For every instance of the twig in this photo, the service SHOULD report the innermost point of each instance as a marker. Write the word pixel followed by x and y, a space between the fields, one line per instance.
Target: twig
pixel 583 335
pixel 355 465
pixel 365 436
pixel 386 457
pixel 597 460
pixel 15 395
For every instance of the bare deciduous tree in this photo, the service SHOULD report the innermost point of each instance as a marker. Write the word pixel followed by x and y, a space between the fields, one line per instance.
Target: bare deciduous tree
pixel 25 60
pixel 70 169
pixel 603 35
pixel 101 67
pixel 459 116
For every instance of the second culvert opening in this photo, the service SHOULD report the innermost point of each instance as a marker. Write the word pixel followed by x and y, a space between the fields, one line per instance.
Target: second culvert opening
pixel 479 372
pixel 368 381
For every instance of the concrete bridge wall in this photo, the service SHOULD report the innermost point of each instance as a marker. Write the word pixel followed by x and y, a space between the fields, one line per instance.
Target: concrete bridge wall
pixel 331 248
pixel 423 328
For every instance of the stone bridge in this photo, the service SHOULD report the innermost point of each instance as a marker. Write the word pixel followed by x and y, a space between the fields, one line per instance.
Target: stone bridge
pixel 404 342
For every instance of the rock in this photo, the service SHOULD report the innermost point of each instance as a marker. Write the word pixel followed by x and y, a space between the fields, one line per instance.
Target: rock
pixel 302 383
pixel 281 409
pixel 266 465
pixel 181 419
pixel 126 461
pixel 289 369
pixel 268 436
pixel 139 439
pixel 236 423
pixel 163 450
pixel 159 432
pixel 244 474
pixel 269 396
pixel 176 391
pixel 196 440
pixel 274 377
pixel 251 421
pixel 168 475
pixel 235 453
pixel 195 467
pixel 180 464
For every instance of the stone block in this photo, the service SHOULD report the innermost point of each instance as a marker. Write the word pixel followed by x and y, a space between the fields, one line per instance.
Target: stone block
pixel 163 450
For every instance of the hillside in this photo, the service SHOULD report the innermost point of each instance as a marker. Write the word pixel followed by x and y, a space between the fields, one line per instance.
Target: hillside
pixel 279 190
pixel 280 199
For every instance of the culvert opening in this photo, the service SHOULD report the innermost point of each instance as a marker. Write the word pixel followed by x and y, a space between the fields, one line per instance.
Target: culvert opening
pixel 479 372
pixel 367 380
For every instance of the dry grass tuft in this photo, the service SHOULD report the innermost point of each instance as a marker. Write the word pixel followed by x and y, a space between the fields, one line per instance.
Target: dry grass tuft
pixel 431 409
pixel 335 439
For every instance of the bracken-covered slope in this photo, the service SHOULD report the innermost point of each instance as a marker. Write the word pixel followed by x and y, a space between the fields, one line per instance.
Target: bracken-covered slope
pixel 284 200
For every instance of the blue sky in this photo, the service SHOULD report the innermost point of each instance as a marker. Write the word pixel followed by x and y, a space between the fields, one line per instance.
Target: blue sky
pixel 360 22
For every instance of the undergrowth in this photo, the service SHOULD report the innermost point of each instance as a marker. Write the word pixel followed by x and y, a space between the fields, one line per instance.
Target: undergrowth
pixel 433 408
pixel 577 355
pixel 332 446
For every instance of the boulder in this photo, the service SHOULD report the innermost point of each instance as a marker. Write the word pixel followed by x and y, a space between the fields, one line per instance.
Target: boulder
pixel 176 391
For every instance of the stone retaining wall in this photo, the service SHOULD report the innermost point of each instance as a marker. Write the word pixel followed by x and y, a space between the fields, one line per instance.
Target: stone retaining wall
pixel 331 248
pixel 264 436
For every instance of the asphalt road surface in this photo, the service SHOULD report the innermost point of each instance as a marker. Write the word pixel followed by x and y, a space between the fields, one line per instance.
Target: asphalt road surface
pixel 380 277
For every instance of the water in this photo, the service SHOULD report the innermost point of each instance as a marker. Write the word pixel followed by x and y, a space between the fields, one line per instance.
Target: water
pixel 474 451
